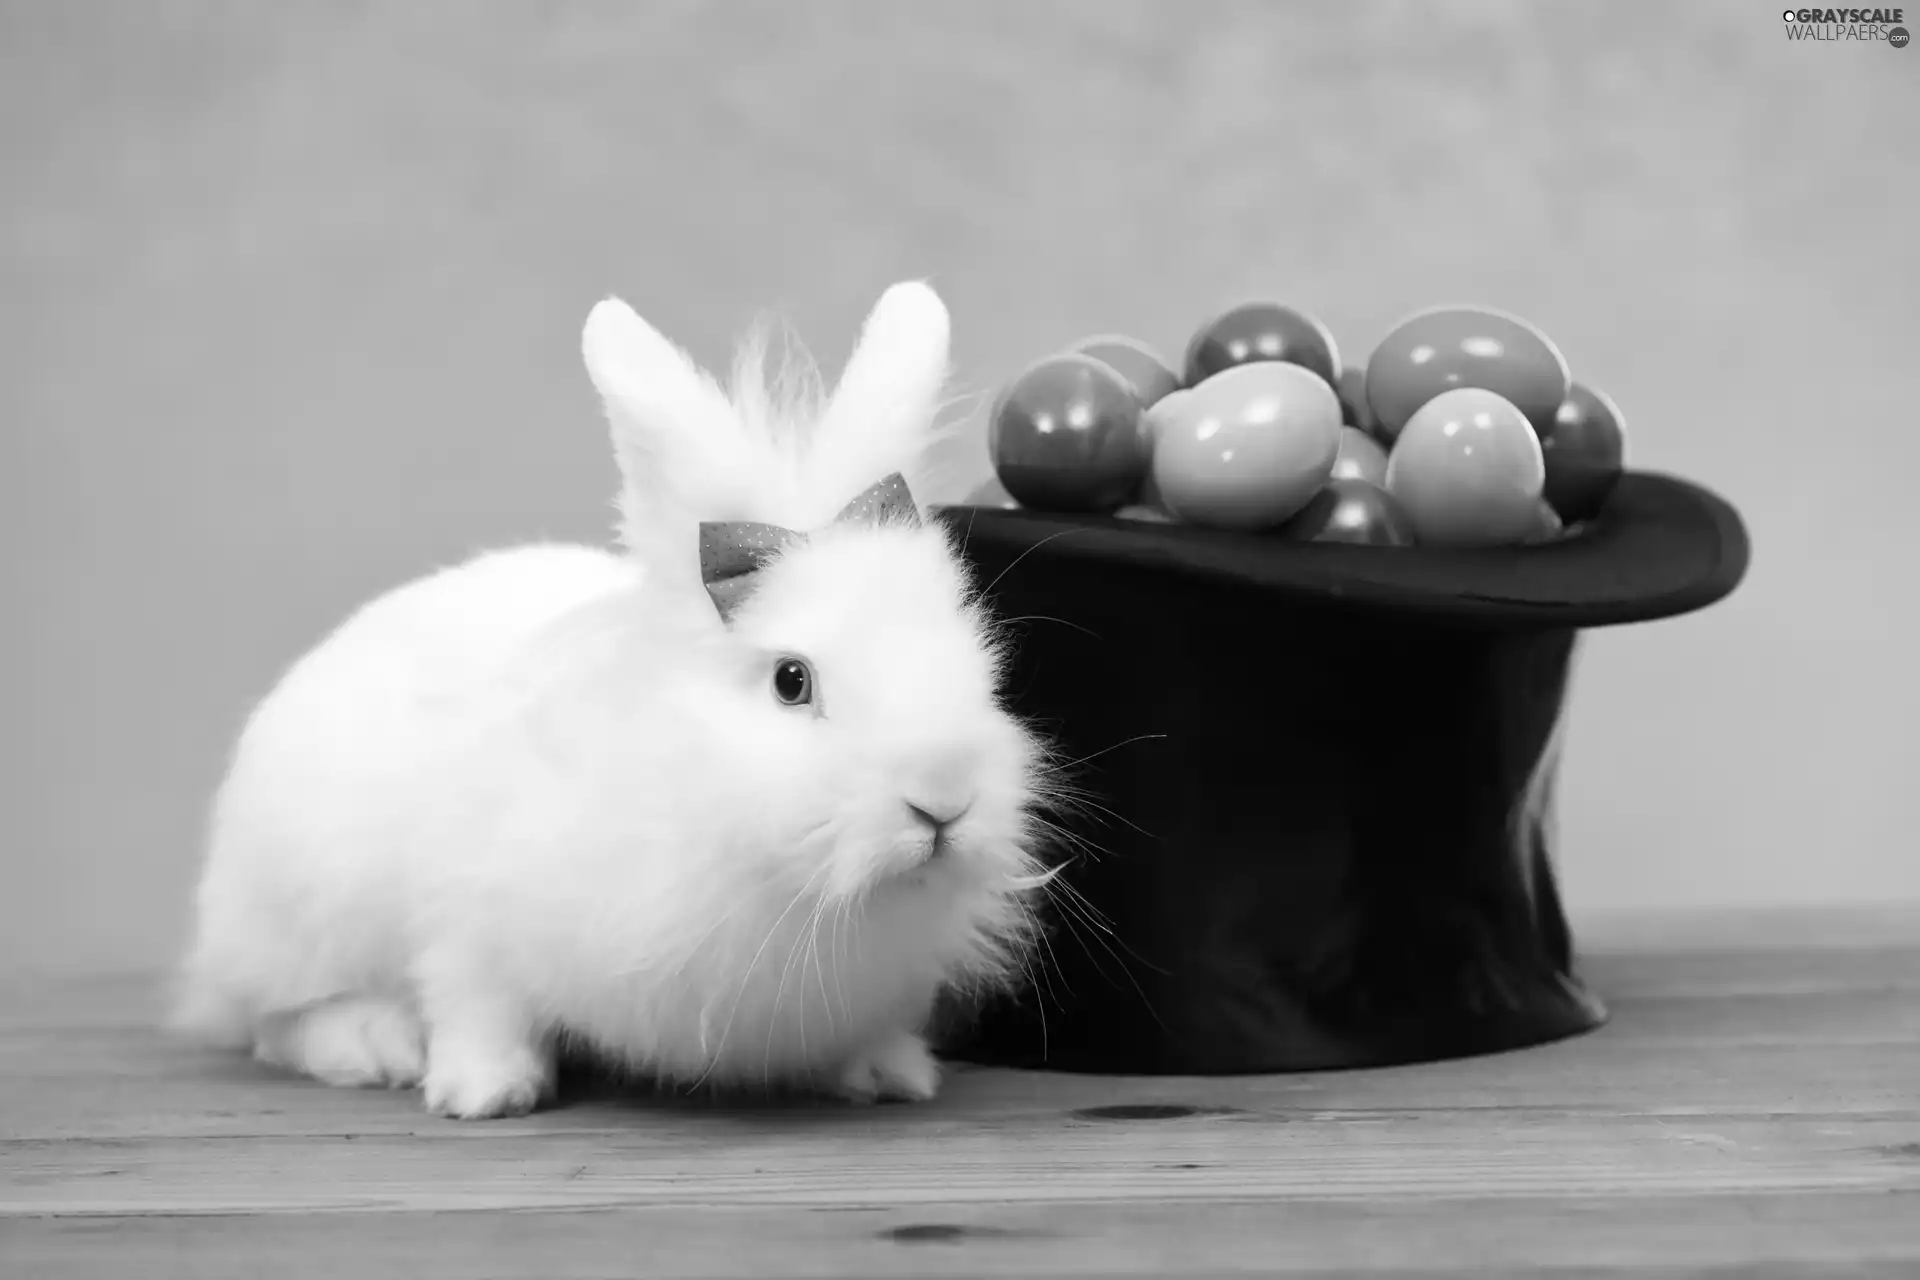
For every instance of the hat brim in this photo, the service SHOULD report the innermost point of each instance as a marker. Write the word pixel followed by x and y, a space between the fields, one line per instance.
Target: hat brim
pixel 1660 547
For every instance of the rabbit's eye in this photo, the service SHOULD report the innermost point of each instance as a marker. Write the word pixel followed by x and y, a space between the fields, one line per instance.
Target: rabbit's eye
pixel 792 682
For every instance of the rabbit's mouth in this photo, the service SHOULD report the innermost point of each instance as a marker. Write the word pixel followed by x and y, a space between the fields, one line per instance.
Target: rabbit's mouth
pixel 923 859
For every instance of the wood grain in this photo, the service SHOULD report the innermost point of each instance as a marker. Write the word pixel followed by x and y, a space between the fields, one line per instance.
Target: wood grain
pixel 1753 1108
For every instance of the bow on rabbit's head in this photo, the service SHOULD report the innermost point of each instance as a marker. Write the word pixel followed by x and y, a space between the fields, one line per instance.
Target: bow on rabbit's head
pixel 732 552
pixel 714 484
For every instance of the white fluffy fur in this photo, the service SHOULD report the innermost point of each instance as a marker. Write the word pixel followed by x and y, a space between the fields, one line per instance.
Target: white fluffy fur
pixel 547 795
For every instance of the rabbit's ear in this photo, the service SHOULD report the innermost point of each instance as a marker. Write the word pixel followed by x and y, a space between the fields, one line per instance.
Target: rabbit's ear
pixel 881 418
pixel 682 452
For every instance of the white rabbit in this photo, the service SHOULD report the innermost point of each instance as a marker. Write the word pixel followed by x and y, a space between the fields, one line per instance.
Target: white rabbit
pixel 560 795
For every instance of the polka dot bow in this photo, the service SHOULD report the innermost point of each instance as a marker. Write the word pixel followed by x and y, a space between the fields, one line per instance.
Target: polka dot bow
pixel 732 552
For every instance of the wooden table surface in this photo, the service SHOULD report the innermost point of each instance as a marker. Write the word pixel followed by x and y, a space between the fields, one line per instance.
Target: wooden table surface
pixel 1753 1109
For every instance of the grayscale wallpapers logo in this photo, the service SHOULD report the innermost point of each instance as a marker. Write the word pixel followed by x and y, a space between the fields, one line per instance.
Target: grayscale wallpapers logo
pixel 1823 25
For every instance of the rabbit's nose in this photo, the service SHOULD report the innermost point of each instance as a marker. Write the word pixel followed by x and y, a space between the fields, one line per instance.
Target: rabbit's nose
pixel 937 816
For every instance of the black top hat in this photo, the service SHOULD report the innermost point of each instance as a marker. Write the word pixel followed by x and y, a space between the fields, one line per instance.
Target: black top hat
pixel 1319 780
pixel 1661 547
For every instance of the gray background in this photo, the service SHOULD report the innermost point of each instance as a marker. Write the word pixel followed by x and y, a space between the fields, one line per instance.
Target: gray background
pixel 291 296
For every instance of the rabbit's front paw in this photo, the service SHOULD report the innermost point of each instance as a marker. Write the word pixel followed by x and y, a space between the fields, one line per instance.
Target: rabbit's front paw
pixel 485 1077
pixel 898 1068
pixel 484 1090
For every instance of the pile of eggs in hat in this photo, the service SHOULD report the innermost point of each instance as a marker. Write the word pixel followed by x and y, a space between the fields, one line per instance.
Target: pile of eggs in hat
pixel 1464 428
